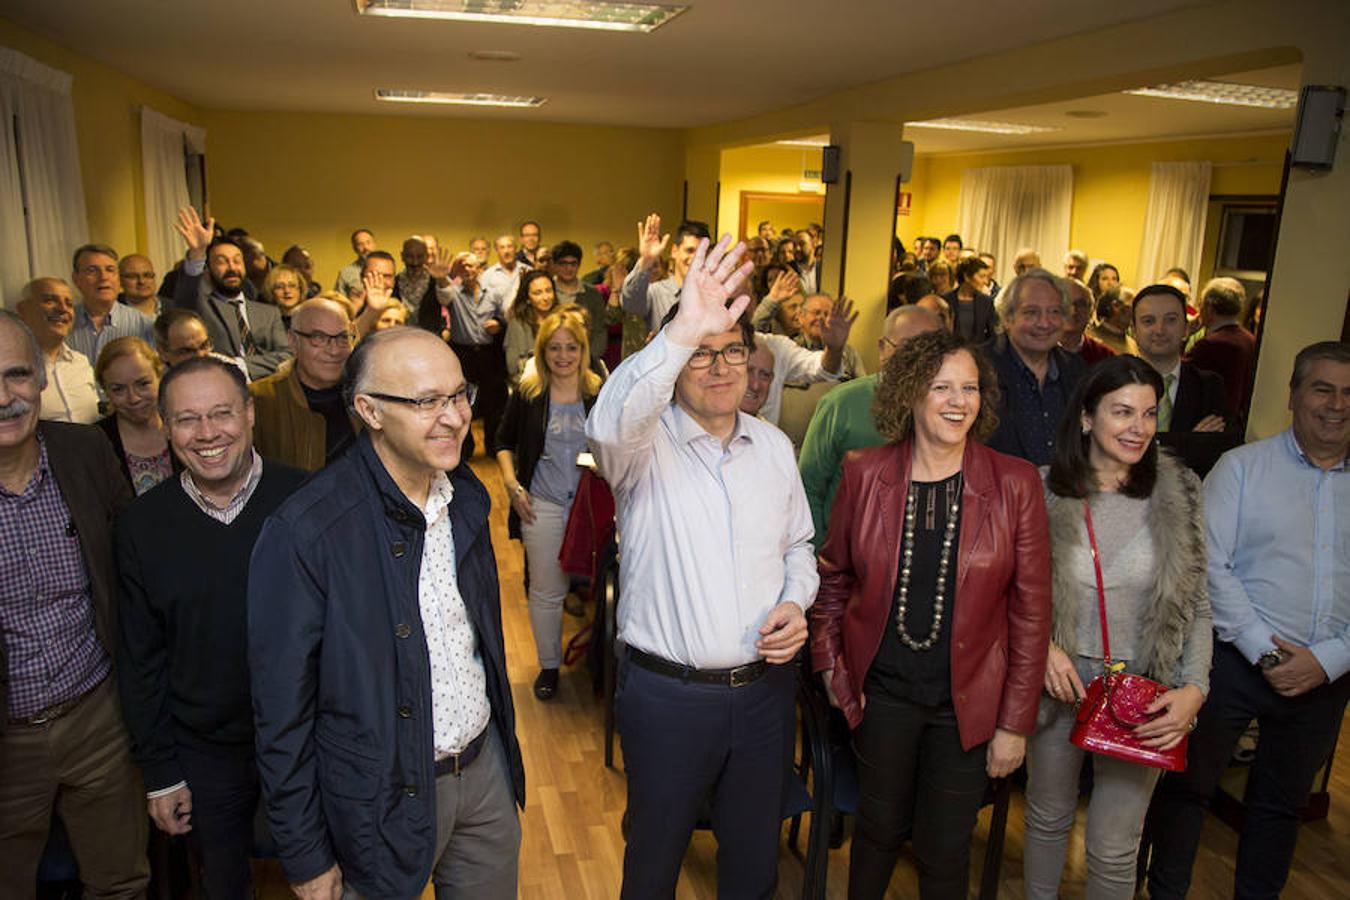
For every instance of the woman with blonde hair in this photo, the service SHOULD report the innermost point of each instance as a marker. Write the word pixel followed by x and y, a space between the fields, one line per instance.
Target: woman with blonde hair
pixel 128 371
pixel 285 287
pixel 541 433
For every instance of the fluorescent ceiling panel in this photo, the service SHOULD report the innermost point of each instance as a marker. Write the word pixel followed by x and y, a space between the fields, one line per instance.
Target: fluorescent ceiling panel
pixel 981 126
pixel 1224 93
pixel 600 15
pixel 805 142
pixel 457 99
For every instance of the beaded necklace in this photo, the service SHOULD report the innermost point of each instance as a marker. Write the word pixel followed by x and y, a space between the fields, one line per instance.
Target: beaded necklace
pixel 944 563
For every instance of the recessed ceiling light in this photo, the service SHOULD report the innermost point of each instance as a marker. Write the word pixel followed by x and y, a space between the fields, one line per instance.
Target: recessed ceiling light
pixel 601 15
pixel 399 96
pixel 494 55
pixel 1224 93
pixel 1086 113
pixel 821 141
pixel 982 126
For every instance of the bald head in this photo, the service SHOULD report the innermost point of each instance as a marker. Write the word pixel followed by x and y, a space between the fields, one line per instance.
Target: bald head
pixel 317 308
pixel 387 371
pixel 903 323
pixel 938 307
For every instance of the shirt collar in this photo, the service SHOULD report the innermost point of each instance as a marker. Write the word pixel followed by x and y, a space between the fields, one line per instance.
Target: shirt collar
pixel 244 492
pixel 439 496
pixel 1291 441
pixel 1051 371
pixel 39 473
pixel 688 430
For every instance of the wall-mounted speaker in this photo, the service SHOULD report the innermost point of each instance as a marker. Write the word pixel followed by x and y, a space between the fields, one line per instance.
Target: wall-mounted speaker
pixel 829 164
pixel 1318 128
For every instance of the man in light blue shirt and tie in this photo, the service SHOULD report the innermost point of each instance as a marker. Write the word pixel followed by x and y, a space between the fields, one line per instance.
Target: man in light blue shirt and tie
pixel 1278 514
pixel 717 573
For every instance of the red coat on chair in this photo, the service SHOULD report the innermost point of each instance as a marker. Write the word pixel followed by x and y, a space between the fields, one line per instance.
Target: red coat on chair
pixel 1001 612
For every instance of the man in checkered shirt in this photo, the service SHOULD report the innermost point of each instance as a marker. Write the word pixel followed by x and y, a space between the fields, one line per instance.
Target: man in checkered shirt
pixel 62 742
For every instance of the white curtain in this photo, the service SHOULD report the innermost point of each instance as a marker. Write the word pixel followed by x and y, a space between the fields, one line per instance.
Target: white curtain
pixel 39 169
pixel 1006 208
pixel 1174 226
pixel 164 146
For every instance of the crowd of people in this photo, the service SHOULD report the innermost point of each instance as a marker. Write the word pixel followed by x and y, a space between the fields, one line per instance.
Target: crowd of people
pixel 266 579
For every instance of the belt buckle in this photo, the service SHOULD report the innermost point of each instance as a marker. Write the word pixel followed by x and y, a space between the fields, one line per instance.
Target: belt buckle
pixel 740 676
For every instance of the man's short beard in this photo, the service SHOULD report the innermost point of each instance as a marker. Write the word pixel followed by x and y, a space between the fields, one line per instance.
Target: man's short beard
pixel 224 288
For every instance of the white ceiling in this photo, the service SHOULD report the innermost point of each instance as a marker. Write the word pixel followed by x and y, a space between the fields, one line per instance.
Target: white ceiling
pixel 1115 118
pixel 1127 117
pixel 722 60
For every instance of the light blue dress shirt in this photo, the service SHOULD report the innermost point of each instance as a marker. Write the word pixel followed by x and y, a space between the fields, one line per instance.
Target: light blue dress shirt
pixel 712 537
pixel 122 321
pixel 1279 551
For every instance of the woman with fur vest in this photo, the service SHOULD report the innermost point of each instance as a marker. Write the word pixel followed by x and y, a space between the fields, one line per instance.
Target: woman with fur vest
pixel 1149 524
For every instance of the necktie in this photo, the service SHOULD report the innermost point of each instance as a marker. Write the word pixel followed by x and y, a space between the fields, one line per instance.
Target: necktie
pixel 246 345
pixel 1165 402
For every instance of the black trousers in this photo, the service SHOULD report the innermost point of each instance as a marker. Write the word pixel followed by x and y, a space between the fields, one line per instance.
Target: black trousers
pixel 485 366
pixel 1296 737
pixel 225 797
pixel 915 782
pixel 684 742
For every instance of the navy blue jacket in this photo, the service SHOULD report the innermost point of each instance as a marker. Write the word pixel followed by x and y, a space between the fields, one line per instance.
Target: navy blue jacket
pixel 342 679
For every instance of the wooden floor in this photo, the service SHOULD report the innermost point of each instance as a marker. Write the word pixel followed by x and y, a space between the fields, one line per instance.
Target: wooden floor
pixel 572 847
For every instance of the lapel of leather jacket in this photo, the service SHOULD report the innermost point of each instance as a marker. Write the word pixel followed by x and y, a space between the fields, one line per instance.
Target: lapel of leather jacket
pixel 892 491
pixel 978 478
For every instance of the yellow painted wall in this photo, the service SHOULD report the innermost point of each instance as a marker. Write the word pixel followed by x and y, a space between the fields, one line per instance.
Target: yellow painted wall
pixel 1110 187
pixel 765 168
pixel 312 179
pixel 108 124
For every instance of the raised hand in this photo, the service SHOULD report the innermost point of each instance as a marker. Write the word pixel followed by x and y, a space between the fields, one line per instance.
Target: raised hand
pixel 651 243
pixel 378 297
pixel 785 284
pixel 834 334
pixel 714 277
pixel 196 233
pixel 438 263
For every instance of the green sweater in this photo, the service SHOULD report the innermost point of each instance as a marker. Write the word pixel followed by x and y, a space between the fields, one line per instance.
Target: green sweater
pixel 842 422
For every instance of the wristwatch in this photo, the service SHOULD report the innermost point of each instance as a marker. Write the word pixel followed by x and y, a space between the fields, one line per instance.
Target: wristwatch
pixel 1270 659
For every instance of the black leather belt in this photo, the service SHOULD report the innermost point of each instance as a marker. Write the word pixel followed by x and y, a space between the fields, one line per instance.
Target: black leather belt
pixel 737 677
pixel 456 763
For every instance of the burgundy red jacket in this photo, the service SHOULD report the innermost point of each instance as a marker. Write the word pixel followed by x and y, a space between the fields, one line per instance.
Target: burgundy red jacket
pixel 1001 612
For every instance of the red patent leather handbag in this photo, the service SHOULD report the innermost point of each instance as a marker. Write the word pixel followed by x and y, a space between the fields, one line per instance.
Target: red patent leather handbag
pixel 1116 701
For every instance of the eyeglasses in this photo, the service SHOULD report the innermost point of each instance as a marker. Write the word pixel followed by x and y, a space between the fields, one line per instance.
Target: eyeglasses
pixel 218 418
pixel 433 404
pixel 322 339
pixel 732 355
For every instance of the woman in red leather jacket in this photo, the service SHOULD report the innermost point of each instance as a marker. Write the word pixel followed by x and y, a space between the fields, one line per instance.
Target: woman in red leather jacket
pixel 932 620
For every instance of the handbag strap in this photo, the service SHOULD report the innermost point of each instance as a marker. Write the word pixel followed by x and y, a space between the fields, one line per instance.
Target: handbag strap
pixel 1101 589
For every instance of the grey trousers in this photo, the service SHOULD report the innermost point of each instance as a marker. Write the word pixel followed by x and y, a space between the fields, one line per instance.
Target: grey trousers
pixel 1121 792
pixel 477 831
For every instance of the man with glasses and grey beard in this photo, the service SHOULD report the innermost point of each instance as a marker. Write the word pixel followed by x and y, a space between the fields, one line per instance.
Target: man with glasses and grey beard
pixel 718 572
pixel 62 741
pixel 386 730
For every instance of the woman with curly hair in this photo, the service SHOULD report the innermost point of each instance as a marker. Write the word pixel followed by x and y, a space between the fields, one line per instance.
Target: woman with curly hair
pixel 540 435
pixel 933 615
pixel 1104 277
